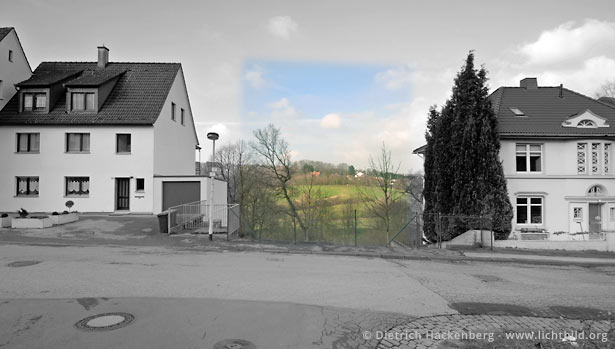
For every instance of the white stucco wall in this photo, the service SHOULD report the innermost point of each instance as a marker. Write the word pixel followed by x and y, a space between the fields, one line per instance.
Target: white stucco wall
pixel 53 164
pixel 13 72
pixel 174 143
pixel 561 187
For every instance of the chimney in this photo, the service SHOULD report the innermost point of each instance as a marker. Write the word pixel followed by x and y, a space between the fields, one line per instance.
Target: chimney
pixel 103 57
pixel 529 83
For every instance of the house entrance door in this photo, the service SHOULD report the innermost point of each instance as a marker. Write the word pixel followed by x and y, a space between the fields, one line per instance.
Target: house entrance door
pixel 122 194
pixel 595 218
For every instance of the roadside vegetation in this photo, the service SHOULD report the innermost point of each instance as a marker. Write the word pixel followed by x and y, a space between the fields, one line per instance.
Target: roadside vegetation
pixel 308 201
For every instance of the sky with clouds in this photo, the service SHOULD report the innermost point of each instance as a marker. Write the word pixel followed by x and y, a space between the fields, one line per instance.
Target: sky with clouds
pixel 339 78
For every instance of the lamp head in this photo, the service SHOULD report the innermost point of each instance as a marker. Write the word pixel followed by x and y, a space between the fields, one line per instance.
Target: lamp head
pixel 213 136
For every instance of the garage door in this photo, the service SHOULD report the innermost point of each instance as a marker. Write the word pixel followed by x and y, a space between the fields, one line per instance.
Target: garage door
pixel 177 193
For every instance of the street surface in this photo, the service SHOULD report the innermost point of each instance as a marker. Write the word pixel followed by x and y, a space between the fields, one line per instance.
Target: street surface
pixel 195 299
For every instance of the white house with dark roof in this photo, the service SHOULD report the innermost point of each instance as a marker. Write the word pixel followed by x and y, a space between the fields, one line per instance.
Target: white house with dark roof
pixel 111 137
pixel 557 156
pixel 14 66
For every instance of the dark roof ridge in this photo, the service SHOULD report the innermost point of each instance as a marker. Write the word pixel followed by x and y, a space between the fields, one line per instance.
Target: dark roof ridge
pixel 90 62
pixel 593 99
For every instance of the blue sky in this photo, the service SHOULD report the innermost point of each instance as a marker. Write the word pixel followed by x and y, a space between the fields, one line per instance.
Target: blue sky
pixel 317 88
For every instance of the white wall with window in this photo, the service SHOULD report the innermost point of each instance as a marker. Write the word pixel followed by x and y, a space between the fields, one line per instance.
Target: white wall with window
pixel 49 165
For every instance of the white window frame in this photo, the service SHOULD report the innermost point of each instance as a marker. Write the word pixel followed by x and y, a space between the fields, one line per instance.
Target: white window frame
pixel 529 206
pixel 29 179
pixel 577 214
pixel 78 195
pixel 527 154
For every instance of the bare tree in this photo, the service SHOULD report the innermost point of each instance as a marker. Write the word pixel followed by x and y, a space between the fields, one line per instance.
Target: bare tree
pixel 236 161
pixel 312 206
pixel 606 90
pixel 381 202
pixel 275 154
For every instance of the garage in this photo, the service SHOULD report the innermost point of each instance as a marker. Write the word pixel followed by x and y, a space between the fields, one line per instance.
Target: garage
pixel 177 193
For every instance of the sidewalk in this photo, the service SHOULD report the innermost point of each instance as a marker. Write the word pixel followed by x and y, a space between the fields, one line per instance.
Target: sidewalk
pixel 92 230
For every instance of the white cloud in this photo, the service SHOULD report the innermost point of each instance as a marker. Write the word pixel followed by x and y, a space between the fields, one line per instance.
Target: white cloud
pixel 331 121
pixel 282 26
pixel 567 41
pixel 255 78
pixel 396 79
pixel 282 109
pixel 586 79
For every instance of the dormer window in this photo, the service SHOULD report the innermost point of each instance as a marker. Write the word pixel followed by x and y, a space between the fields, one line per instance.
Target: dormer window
pixel 586 123
pixel 34 101
pixel 83 101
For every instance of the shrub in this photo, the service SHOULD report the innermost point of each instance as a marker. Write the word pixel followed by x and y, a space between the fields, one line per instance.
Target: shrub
pixel 54 213
pixel 4 215
pixel 64 212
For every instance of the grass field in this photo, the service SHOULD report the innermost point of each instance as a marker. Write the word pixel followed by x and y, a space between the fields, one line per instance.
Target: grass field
pixel 338 225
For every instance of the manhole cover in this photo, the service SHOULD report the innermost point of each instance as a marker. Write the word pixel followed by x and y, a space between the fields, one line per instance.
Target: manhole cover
pixel 105 322
pixel 234 344
pixel 22 263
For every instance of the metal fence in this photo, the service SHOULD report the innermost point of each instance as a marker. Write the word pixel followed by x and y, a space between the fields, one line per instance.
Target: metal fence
pixel 348 227
pixel 194 217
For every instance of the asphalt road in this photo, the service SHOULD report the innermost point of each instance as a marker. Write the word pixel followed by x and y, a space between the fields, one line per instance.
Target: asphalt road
pixel 196 299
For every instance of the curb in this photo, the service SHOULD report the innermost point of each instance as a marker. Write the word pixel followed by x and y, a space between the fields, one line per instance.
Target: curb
pixel 395 256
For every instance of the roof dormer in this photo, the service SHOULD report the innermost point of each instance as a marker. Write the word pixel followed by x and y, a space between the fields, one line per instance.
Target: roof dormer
pixel 88 92
pixel 586 119
pixel 42 90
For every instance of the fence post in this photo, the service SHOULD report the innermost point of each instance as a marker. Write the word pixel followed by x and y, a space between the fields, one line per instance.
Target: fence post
pixel 418 239
pixel 482 243
pixel 355 227
pixel 295 228
pixel 439 225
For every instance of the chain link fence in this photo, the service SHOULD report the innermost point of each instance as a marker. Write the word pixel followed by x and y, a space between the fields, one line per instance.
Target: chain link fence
pixel 350 225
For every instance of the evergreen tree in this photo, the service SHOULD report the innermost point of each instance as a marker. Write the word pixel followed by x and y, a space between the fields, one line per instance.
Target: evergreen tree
pixel 462 159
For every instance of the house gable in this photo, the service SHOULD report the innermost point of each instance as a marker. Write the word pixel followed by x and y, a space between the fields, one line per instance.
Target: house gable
pixel 14 66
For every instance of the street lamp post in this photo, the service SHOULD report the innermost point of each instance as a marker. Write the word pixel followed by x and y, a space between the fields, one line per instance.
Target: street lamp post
pixel 213 136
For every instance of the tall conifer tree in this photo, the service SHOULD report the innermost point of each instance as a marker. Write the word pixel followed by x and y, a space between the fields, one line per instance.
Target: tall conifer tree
pixel 462 158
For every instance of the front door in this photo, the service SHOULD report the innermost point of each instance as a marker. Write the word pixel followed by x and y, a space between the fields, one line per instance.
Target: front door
pixel 122 194
pixel 595 218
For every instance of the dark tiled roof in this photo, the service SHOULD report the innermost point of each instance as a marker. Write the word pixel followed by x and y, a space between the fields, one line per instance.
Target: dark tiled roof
pixel 136 99
pixel 4 32
pixel 545 111
pixel 46 78
pixel 95 77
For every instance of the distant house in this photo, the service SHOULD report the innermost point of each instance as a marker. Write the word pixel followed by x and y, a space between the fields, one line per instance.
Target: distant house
pixel 557 156
pixel 359 174
pixel 14 66
pixel 111 137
